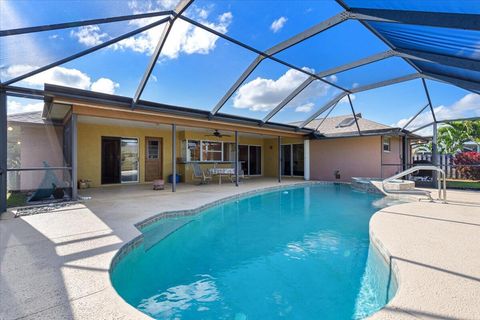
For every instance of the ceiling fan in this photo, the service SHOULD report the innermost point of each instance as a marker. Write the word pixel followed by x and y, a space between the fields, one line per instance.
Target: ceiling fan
pixel 217 134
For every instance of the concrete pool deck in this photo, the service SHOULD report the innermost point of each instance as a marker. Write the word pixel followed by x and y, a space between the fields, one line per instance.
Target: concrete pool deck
pixel 55 265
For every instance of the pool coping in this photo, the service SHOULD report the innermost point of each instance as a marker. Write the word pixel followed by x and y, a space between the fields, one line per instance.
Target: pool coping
pixel 131 245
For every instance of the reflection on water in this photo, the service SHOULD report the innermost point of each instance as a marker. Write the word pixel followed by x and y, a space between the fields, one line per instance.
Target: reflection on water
pixel 171 302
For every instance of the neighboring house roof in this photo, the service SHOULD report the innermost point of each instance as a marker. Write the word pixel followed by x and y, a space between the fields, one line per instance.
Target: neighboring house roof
pixel 34 117
pixel 345 125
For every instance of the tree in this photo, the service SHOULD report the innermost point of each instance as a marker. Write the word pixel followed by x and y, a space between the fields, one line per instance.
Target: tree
pixel 453 135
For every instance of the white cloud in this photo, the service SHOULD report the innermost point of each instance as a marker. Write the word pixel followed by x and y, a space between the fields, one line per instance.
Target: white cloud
pixel 467 106
pixel 104 85
pixel 14 106
pixel 26 48
pixel 278 24
pixel 345 99
pixel 305 107
pixel 261 94
pixel 183 37
pixel 60 76
pixel 89 35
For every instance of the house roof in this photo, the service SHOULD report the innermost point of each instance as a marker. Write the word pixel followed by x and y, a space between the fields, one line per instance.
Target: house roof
pixel 345 125
pixel 33 117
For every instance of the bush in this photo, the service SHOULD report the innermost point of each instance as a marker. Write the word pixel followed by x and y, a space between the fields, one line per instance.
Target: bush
pixel 464 160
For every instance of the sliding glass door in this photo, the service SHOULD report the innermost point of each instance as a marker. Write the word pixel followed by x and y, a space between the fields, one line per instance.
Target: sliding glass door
pixel 129 163
pixel 250 158
pixel 293 160
pixel 119 160
pixel 286 160
pixel 298 160
pixel 255 165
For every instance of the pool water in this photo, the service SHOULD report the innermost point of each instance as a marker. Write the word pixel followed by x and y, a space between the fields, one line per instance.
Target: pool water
pixel 300 253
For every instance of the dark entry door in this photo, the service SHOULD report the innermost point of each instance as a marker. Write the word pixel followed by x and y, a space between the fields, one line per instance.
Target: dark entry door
pixel 110 160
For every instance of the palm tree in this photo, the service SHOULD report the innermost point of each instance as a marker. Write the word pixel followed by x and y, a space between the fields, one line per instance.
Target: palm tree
pixel 453 135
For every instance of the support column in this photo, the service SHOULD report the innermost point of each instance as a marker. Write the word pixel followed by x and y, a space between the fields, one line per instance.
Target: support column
pixel 306 160
pixel 435 153
pixel 74 135
pixel 279 145
pixel 236 159
pixel 3 151
pixel 174 157
pixel 405 156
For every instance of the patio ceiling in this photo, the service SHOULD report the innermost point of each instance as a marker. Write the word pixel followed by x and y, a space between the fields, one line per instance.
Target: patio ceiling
pixel 436 41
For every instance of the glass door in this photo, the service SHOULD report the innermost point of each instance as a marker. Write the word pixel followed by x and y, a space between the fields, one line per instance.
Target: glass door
pixel 243 157
pixel 255 160
pixel 287 159
pixel 293 160
pixel 129 160
pixel 298 160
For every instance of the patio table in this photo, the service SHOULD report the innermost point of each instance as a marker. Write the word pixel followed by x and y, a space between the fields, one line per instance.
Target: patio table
pixel 221 172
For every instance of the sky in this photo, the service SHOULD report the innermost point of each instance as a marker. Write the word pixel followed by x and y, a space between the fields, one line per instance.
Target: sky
pixel 196 68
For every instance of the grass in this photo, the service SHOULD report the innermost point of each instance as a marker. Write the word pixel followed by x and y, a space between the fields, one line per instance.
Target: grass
pixel 16 199
pixel 463 184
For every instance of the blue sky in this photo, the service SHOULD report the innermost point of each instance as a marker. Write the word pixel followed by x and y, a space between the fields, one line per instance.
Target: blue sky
pixel 196 68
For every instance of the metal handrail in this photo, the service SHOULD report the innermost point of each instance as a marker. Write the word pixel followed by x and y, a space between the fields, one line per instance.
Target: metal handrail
pixel 417 168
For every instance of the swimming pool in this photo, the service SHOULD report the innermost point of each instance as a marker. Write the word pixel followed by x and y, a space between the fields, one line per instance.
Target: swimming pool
pixel 298 253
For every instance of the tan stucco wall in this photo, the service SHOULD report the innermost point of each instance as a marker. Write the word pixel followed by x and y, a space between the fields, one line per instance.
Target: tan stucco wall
pixel 89 150
pixel 271 157
pixel 38 144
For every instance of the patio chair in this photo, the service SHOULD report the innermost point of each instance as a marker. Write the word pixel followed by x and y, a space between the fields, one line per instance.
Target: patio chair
pixel 199 174
pixel 241 173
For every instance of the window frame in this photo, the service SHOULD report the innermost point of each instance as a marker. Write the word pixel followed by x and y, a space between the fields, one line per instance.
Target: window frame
pixel 386 141
pixel 157 156
pixel 202 144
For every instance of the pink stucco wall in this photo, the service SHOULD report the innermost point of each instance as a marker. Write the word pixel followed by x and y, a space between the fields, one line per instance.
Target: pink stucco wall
pixel 392 160
pixel 354 157
pixel 38 144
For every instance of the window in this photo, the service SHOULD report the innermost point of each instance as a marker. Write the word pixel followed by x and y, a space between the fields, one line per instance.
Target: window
pixel 228 151
pixel 193 150
pixel 386 144
pixel 153 150
pixel 211 151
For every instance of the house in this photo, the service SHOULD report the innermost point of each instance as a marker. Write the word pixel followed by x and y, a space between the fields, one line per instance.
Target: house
pixel 109 142
pixel 340 153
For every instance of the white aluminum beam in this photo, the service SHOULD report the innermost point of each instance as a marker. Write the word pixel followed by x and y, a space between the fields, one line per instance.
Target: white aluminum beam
pixel 326 73
pixel 429 100
pixel 354 114
pixel 73 24
pixel 323 109
pixel 464 84
pixel 421 18
pixel 320 27
pixel 85 52
pixel 181 7
pixel 469 64
pixel 326 116
pixel 387 82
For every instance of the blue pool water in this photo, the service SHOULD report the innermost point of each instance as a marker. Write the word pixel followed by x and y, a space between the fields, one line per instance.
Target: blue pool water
pixel 301 253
